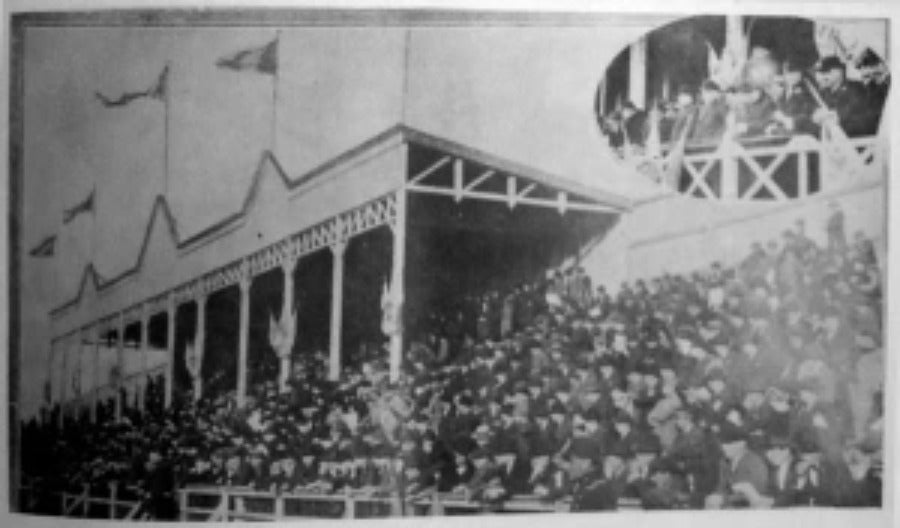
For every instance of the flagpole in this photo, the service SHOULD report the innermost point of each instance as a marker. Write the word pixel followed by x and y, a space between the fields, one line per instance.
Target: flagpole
pixel 166 133
pixel 274 136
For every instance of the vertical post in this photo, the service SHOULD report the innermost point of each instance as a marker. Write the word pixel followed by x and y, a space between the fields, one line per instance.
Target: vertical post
pixel 243 338
pixel 113 494
pixel 729 183
pixel 637 72
pixel 666 88
pixel 182 504
pixel 120 362
pixel 349 505
pixel 802 173
pixel 287 313
pixel 86 502
pixel 61 344
pixel 200 345
pixel 601 104
pixel 170 349
pixel 95 371
pixel 337 309
pixel 279 507
pixel 144 350
pixel 397 285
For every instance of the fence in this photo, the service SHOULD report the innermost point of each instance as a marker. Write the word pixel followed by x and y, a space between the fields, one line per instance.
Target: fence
pixel 778 168
pixel 223 504
pixel 119 503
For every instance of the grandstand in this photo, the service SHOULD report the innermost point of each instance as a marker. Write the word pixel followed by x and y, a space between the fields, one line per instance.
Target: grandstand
pixel 458 300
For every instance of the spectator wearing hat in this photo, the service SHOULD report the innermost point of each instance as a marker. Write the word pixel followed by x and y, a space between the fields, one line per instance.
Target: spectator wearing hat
pixel 683 108
pixel 634 121
pixel 796 106
pixel 665 487
pixel 743 477
pixel 876 78
pixel 846 100
pixel 783 475
pixel 696 453
pixel 864 488
pixel 821 480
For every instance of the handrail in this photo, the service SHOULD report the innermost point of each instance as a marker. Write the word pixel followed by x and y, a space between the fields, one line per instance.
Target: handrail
pixel 433 503
pixel 232 503
pixel 768 168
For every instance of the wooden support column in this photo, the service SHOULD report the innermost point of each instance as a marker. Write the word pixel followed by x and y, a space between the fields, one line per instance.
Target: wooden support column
pixel 120 362
pixel 94 347
pixel 287 311
pixel 397 285
pixel 337 309
pixel 144 350
pixel 61 349
pixel 199 345
pixel 170 349
pixel 243 339
pixel 637 72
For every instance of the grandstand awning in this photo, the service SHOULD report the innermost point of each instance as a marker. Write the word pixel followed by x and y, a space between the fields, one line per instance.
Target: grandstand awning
pixel 446 168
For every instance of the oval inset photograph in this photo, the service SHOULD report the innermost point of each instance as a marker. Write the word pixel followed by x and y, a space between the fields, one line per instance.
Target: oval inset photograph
pixel 749 108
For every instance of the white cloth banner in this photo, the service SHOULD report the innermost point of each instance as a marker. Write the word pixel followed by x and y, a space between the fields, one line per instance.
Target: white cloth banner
pixel 848 39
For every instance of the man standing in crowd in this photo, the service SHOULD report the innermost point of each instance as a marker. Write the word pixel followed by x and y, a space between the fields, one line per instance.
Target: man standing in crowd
pixel 744 476
pixel 845 100
pixel 875 77
pixel 635 125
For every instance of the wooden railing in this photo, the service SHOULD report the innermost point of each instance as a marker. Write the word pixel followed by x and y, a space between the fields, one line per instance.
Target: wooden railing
pixel 777 168
pixel 110 506
pixel 223 504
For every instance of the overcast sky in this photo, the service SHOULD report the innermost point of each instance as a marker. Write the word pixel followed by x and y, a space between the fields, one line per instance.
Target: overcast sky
pixel 220 122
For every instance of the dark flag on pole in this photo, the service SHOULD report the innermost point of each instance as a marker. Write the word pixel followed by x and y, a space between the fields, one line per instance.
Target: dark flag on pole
pixel 46 248
pixel 85 206
pixel 262 60
pixel 155 91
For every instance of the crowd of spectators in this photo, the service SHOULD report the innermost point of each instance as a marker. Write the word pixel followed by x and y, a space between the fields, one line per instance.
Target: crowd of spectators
pixel 757 384
pixel 768 100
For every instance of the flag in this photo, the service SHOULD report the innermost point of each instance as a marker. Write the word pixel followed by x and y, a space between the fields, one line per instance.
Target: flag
pixel 389 315
pixel 281 333
pixel 46 248
pixel 156 91
pixel 850 38
pixel 85 206
pixel 262 60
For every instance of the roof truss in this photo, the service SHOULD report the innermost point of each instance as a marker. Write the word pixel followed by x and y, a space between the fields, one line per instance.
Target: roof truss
pixel 473 181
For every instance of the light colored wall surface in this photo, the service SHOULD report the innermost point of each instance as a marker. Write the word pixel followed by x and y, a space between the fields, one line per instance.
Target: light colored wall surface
pixel 678 234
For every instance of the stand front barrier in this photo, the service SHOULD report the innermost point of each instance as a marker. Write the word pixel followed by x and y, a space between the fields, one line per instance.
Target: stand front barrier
pixel 775 168
pixel 119 503
pixel 221 504
pixel 244 504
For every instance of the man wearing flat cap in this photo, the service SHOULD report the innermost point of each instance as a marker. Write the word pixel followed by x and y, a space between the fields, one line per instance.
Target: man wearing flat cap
pixel 744 476
pixel 846 100
pixel 783 476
